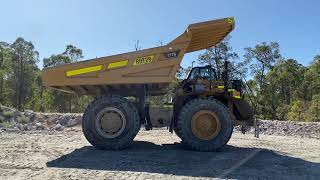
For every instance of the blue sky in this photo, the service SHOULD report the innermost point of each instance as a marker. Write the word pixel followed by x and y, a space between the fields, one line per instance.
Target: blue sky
pixel 102 28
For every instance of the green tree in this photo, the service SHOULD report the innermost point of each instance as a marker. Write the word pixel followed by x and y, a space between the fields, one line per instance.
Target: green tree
pixel 311 84
pixel 261 59
pixel 282 84
pixel 42 99
pixel 73 53
pixel 5 62
pixel 24 59
pixel 55 60
pixel 217 55
pixel 314 109
pixel 296 111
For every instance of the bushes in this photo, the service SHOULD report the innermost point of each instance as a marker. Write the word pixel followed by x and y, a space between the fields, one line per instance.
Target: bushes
pixel 296 112
pixel 22 119
pixel 300 111
pixel 314 109
pixel 8 114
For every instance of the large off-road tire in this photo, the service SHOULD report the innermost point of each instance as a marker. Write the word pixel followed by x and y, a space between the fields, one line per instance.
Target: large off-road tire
pixel 204 124
pixel 110 122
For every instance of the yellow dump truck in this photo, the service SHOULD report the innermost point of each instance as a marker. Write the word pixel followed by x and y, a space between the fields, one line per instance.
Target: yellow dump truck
pixel 205 108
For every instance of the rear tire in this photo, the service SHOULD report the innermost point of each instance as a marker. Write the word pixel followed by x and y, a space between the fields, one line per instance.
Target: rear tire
pixel 110 122
pixel 211 136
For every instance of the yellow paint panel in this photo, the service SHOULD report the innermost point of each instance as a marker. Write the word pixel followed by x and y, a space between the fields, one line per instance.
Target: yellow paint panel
pixel 231 90
pixel 118 64
pixel 230 20
pixel 220 87
pixel 83 70
pixel 143 60
pixel 237 97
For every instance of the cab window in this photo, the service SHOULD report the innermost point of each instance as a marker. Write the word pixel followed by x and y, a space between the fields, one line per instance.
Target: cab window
pixel 205 73
pixel 194 74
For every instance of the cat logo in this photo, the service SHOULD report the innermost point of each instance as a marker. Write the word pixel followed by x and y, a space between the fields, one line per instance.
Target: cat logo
pixel 172 54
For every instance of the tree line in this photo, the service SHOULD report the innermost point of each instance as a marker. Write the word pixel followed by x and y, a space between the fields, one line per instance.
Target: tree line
pixel 21 82
pixel 278 87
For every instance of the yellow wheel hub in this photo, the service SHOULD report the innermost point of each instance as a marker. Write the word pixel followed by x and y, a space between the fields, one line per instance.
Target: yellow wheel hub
pixel 205 125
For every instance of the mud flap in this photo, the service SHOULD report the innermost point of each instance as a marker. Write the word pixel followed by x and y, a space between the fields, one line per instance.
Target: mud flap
pixel 243 111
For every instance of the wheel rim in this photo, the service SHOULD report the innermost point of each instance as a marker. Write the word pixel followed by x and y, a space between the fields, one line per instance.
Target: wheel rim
pixel 110 122
pixel 205 125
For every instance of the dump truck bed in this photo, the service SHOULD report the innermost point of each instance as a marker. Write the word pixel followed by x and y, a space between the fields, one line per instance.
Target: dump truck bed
pixel 152 68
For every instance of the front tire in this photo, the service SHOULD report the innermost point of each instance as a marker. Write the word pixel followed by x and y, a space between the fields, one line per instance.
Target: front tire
pixel 204 124
pixel 110 122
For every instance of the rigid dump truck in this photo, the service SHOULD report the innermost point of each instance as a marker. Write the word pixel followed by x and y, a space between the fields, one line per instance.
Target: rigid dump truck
pixel 204 108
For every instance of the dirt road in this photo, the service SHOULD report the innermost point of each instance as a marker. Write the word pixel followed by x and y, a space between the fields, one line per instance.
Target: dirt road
pixel 155 155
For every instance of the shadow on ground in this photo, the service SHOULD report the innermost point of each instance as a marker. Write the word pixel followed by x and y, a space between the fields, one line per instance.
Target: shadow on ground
pixel 231 162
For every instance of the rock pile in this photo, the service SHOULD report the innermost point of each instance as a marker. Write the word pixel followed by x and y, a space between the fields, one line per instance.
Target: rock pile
pixel 28 120
pixel 287 128
pixel 290 128
pixel 9 115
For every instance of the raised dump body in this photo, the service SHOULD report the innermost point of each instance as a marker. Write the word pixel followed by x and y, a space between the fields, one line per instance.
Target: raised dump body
pixel 125 73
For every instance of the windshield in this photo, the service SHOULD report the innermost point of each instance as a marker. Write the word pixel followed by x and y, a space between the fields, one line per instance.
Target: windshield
pixel 202 72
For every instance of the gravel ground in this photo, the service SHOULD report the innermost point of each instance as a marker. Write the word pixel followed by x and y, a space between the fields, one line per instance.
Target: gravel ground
pixel 155 154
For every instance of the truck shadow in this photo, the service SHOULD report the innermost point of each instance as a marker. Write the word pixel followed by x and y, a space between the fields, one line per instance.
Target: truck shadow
pixel 231 162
